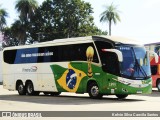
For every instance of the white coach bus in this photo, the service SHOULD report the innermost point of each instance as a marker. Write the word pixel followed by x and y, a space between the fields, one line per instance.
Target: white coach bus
pixel 98 65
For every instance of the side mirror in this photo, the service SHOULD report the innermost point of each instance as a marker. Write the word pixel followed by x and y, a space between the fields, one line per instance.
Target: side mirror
pixel 119 53
pixel 154 54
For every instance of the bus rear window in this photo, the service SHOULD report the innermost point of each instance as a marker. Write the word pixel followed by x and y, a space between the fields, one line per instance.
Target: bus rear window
pixel 9 56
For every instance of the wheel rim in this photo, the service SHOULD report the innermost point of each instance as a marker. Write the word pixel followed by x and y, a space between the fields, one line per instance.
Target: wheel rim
pixel 30 88
pixel 94 90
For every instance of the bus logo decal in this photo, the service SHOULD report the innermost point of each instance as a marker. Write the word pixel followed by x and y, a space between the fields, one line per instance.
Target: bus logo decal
pixel 31 69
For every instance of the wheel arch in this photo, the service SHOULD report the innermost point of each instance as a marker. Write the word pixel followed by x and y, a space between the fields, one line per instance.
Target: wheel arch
pixel 27 81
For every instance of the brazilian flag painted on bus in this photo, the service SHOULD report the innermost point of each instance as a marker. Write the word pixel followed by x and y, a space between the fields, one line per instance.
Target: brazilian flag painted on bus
pixel 68 79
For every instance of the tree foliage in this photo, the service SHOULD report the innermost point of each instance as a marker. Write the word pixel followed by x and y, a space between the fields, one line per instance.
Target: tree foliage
pixel 9 38
pixel 26 9
pixel 62 19
pixel 3 15
pixel 54 19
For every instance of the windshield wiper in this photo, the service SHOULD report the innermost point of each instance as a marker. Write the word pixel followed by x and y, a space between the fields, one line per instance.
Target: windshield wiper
pixel 138 66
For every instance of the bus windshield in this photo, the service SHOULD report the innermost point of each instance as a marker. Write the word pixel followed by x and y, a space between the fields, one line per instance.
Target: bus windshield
pixel 135 63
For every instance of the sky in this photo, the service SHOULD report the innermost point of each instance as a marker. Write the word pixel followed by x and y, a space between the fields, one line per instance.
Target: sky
pixel 140 19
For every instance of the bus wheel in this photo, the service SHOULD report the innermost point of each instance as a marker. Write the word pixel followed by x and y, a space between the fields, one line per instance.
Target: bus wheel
pixel 55 93
pixel 121 96
pixel 21 89
pixel 30 89
pixel 158 85
pixel 93 91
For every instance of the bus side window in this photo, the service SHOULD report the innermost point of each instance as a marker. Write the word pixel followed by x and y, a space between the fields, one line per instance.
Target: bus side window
pixel 9 56
pixel 78 52
pixel 83 48
pixel 75 53
pixel 102 45
pixel 25 56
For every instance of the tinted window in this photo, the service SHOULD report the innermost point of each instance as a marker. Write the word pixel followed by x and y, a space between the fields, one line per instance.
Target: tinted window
pixel 50 54
pixel 76 52
pixel 102 45
pixel 9 56
pixel 26 55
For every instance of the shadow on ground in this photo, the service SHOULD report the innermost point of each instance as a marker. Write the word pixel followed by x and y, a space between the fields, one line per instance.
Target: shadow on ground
pixel 64 99
pixel 154 93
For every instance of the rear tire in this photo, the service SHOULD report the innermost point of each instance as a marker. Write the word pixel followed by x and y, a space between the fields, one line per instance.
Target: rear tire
pixel 21 89
pixel 93 91
pixel 30 89
pixel 121 96
pixel 158 85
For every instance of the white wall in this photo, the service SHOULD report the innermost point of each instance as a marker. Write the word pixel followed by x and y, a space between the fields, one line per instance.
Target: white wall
pixel 0 66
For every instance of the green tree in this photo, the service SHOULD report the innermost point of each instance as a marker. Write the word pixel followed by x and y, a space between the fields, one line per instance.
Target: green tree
pixel 26 9
pixel 111 14
pixel 18 30
pixel 3 15
pixel 56 19
pixel 9 38
pixel 15 34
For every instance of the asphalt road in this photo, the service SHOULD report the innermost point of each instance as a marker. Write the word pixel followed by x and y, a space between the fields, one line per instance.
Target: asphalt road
pixel 11 101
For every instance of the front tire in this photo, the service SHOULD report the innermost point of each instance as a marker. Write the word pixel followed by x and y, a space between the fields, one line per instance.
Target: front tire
pixel 30 89
pixel 93 91
pixel 121 96
pixel 21 89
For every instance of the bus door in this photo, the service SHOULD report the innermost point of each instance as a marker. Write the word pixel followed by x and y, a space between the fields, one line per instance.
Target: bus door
pixel 110 65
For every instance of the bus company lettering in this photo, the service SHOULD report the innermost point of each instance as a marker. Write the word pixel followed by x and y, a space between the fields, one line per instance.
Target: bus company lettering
pixel 37 54
pixel 32 69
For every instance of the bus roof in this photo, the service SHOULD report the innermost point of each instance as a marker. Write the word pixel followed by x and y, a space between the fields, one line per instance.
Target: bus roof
pixel 117 39
pixel 75 40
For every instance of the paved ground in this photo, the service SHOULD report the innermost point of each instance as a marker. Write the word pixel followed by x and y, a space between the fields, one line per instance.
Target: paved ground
pixel 11 101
